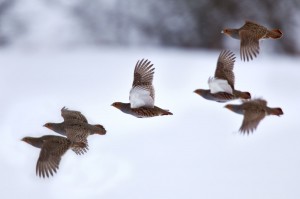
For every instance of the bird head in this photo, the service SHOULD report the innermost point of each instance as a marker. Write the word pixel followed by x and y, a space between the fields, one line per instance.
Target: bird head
pixel 26 139
pixel 229 106
pixel 200 92
pixel 100 129
pixel 234 33
pixel 226 31
pixel 37 142
pixel 118 105
pixel 48 125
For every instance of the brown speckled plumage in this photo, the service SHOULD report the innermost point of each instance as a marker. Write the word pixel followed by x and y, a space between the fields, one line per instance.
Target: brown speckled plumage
pixel 254 111
pixel 142 112
pixel 224 71
pixel 250 34
pixel 76 127
pixel 52 149
pixel 142 95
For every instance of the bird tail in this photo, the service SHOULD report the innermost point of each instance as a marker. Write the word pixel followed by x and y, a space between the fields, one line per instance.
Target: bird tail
pixel 166 112
pixel 80 147
pixel 276 111
pixel 245 95
pixel 99 129
pixel 79 144
pixel 274 34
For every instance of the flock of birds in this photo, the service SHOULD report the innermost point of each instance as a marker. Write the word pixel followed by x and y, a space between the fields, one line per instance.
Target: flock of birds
pixel 75 128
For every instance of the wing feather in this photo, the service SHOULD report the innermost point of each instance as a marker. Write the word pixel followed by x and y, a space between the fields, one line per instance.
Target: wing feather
pixel 70 115
pixel 142 91
pixel 224 69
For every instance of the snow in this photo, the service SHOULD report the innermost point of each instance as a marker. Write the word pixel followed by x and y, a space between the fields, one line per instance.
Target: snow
pixel 195 153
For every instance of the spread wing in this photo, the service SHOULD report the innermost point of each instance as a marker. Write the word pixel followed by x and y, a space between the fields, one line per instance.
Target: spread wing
pixel 254 113
pixel 260 102
pixel 251 121
pixel 224 69
pixel 70 115
pixel 142 91
pixel 50 156
pixel 219 85
pixel 77 133
pixel 249 45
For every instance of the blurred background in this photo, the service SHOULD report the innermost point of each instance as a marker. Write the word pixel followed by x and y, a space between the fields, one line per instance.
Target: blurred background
pixel 171 23
pixel 81 54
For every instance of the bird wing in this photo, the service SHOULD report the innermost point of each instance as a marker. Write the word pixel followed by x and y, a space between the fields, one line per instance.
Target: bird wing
pixel 142 91
pixel 249 45
pixel 50 156
pixel 77 133
pixel 224 69
pixel 260 101
pixel 70 115
pixel 251 120
pixel 219 85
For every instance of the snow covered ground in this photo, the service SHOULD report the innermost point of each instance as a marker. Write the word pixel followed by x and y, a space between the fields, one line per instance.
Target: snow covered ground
pixel 196 153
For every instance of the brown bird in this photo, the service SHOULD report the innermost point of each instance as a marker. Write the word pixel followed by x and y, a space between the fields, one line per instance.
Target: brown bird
pixel 250 34
pixel 254 111
pixel 76 127
pixel 52 149
pixel 222 85
pixel 142 95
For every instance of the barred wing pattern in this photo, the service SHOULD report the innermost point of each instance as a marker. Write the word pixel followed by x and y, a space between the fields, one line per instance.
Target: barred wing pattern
pixel 77 133
pixel 249 45
pixel 50 156
pixel 142 91
pixel 254 113
pixel 70 115
pixel 224 69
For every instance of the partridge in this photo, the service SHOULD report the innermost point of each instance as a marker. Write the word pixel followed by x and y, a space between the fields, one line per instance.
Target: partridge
pixel 250 34
pixel 141 95
pixel 52 149
pixel 76 127
pixel 222 84
pixel 254 111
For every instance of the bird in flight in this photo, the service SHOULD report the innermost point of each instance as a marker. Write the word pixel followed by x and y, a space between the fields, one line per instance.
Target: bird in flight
pixel 52 149
pixel 221 86
pixel 76 127
pixel 254 111
pixel 141 95
pixel 250 34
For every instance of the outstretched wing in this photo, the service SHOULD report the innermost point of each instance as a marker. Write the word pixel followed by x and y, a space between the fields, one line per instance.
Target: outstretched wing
pixel 70 115
pixel 142 91
pixel 224 69
pixel 253 114
pixel 251 121
pixel 50 156
pixel 249 45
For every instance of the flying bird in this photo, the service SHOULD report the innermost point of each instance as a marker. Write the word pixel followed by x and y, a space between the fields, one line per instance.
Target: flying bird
pixel 76 127
pixel 254 111
pixel 52 149
pixel 141 95
pixel 221 86
pixel 250 34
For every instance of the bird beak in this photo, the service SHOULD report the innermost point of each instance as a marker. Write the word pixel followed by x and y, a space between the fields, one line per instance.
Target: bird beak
pixel 222 31
pixel 23 139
